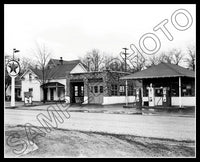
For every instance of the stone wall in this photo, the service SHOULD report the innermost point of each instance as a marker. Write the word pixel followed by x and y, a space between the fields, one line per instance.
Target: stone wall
pixel 108 78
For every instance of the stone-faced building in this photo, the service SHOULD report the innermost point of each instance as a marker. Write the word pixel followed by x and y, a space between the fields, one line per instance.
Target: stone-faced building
pixel 99 88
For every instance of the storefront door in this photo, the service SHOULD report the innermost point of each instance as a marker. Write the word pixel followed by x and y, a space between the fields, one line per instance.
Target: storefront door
pixel 96 93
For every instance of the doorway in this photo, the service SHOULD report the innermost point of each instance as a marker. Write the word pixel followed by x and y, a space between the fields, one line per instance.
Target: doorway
pixel 77 92
pixel 96 93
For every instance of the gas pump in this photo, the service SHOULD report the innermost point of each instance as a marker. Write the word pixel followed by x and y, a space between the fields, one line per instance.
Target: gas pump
pixel 166 97
pixel 138 98
pixel 151 96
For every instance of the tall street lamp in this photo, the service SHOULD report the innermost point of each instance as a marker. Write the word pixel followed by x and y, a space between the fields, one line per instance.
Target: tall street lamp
pixel 14 51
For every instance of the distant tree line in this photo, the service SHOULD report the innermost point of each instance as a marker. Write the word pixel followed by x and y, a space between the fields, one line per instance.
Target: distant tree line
pixel 97 61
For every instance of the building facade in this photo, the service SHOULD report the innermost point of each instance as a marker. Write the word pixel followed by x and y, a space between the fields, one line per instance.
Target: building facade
pixel 50 85
pixel 166 85
pixel 99 88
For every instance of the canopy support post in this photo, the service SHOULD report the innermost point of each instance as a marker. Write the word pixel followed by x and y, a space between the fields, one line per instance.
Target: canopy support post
pixel 126 93
pixel 180 102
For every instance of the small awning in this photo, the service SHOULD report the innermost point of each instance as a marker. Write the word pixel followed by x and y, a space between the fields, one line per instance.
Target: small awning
pixel 53 85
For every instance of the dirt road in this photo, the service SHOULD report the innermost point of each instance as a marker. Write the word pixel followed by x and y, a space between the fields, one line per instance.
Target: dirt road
pixel 62 143
pixel 179 128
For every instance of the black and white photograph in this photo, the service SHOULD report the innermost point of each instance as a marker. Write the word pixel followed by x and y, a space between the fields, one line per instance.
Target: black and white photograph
pixel 99 80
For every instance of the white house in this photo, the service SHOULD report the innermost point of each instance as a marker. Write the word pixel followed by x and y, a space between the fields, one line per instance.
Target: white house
pixel 55 79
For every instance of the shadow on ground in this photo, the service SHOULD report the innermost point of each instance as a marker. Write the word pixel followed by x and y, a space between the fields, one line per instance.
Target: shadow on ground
pixel 68 143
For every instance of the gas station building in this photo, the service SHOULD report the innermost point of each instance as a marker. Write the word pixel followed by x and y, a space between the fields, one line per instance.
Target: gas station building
pixel 165 85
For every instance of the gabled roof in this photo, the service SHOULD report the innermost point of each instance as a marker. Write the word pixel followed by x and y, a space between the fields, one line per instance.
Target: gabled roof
pixel 57 61
pixel 161 70
pixel 58 71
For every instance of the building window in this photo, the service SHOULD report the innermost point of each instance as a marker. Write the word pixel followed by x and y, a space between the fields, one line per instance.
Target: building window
pixel 30 76
pixel 95 89
pixel 30 90
pixel 130 90
pixel 101 89
pixel 114 90
pixel 121 90
pixel 187 90
pixel 82 91
pixel 174 89
pixel 76 90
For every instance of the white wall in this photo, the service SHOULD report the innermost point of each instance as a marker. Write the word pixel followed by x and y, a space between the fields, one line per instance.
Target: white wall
pixel 78 69
pixel 158 101
pixel 117 99
pixel 35 84
pixel 186 101
pixel 37 90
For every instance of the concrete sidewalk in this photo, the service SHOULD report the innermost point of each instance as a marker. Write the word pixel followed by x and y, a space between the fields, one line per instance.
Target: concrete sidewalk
pixel 110 109
pixel 168 127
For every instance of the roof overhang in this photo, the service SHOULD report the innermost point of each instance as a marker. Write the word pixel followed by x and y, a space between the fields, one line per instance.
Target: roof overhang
pixel 53 85
pixel 151 77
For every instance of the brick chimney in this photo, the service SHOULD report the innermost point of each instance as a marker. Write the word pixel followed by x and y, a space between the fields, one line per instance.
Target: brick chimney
pixel 61 61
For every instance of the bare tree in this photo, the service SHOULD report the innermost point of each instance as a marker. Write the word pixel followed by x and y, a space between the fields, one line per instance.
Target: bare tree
pixel 191 57
pixel 26 63
pixel 166 58
pixel 172 57
pixel 7 77
pixel 176 56
pixel 114 63
pixel 43 54
pixel 94 59
pixel 141 63
pixel 153 60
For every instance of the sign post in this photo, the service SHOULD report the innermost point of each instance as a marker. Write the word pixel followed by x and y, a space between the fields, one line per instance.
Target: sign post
pixel 13 69
pixel 12 91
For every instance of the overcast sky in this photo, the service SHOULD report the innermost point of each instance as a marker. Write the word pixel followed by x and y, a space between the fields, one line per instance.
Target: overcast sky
pixel 71 31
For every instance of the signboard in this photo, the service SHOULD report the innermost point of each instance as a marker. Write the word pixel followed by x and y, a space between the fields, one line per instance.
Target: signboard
pixel 28 98
pixel 13 68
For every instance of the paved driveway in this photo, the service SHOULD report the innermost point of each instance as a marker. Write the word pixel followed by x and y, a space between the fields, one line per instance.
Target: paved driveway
pixel 179 128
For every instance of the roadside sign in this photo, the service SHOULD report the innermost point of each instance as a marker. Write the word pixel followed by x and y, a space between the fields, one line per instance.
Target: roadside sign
pixel 28 98
pixel 13 68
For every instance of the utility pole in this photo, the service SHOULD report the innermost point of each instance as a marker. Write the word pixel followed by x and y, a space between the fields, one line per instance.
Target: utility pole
pixel 125 55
